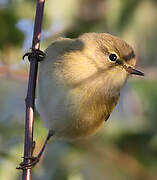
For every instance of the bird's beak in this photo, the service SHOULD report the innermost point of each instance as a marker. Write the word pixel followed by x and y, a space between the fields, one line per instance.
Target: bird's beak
pixel 131 70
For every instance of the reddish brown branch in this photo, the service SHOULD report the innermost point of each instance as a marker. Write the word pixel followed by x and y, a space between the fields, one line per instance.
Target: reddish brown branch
pixel 28 144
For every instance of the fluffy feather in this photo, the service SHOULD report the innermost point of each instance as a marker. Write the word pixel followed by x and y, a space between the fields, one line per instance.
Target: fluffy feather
pixel 78 85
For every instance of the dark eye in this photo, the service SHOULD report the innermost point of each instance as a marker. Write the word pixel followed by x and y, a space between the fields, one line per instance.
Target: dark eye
pixel 113 57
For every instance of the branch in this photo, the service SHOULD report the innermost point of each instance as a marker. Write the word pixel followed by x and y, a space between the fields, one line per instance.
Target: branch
pixel 30 98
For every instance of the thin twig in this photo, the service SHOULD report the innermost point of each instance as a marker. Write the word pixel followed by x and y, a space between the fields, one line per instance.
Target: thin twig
pixel 29 122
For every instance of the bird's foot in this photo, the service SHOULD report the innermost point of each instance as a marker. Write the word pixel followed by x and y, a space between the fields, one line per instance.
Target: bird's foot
pixel 35 53
pixel 28 163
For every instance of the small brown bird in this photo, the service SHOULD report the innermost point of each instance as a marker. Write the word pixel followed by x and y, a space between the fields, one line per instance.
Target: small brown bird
pixel 80 82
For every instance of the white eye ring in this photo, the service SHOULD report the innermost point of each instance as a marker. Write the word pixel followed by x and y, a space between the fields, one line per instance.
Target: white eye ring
pixel 113 57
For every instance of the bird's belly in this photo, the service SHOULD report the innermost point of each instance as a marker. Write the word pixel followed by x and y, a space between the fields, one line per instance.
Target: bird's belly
pixel 69 112
pixel 77 129
pixel 80 123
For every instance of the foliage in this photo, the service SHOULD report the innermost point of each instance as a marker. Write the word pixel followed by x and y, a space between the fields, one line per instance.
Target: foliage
pixel 10 34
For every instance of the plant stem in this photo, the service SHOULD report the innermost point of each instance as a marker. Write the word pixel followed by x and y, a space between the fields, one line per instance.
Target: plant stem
pixel 30 98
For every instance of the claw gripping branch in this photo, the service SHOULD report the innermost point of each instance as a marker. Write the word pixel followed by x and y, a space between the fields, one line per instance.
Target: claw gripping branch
pixel 35 53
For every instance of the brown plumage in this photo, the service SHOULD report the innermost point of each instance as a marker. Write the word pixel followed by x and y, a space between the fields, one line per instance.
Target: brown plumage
pixel 80 82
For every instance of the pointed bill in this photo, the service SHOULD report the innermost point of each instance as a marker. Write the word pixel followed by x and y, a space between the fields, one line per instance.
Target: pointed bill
pixel 131 70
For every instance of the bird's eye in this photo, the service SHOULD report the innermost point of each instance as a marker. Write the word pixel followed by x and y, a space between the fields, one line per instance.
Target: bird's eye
pixel 113 57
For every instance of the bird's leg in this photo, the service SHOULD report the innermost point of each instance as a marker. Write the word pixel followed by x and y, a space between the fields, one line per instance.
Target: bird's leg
pixel 35 160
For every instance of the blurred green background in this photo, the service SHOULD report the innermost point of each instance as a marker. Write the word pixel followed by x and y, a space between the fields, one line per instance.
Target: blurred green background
pixel 126 147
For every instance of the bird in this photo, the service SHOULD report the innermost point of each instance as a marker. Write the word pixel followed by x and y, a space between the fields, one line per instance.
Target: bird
pixel 80 81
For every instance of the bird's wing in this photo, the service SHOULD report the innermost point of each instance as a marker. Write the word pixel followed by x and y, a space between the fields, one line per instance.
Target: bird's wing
pixel 112 106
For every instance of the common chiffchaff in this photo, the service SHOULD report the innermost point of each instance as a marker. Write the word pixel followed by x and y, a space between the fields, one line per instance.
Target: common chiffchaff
pixel 80 82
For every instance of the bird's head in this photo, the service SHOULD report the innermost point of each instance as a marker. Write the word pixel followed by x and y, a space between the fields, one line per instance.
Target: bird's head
pixel 100 60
